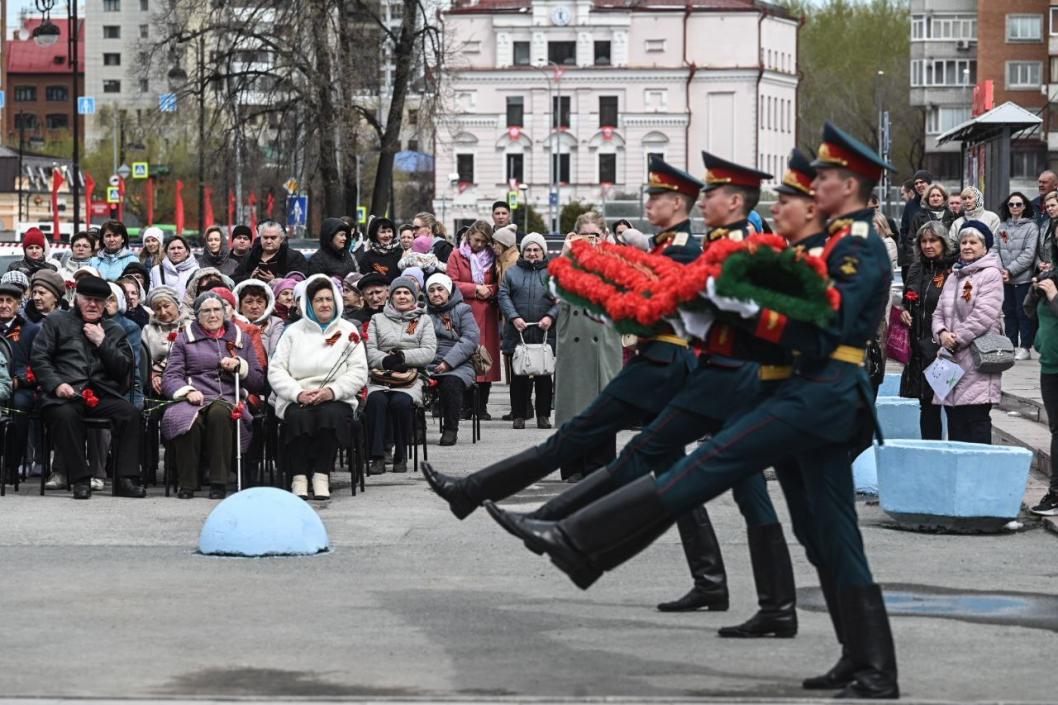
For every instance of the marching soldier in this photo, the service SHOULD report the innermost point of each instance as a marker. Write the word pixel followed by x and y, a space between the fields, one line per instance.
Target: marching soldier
pixel 810 418
pixel 657 373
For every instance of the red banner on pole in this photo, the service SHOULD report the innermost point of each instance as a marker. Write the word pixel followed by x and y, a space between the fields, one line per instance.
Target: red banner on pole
pixel 150 200
pixel 231 212
pixel 56 182
pixel 270 204
pixel 179 218
pixel 89 186
pixel 121 203
pixel 253 210
pixel 209 219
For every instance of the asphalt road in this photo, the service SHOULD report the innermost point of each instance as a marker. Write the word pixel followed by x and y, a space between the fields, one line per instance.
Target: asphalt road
pixel 108 599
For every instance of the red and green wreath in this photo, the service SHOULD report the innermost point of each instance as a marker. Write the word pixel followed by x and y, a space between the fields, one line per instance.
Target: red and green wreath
pixel 637 291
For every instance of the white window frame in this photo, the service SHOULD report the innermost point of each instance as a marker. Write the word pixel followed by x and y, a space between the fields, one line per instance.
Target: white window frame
pixel 924 72
pixel 936 125
pixel 1054 20
pixel 655 46
pixel 1012 22
pixel 1024 69
pixel 943 28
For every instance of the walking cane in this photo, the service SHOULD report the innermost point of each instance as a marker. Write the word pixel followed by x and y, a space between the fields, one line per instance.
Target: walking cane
pixel 238 436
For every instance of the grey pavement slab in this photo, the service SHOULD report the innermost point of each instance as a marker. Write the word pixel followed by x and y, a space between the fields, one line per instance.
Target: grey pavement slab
pixel 107 599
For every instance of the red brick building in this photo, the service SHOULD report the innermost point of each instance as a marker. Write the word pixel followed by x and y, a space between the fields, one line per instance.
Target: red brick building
pixel 1012 52
pixel 39 85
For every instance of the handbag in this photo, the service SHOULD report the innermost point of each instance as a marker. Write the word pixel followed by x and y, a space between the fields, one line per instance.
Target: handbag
pixel 898 341
pixel 532 359
pixel 481 359
pixel 394 379
pixel 992 353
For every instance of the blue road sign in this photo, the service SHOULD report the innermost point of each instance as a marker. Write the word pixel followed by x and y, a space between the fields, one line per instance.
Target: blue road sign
pixel 86 105
pixel 167 102
pixel 552 198
pixel 297 210
pixel 2 99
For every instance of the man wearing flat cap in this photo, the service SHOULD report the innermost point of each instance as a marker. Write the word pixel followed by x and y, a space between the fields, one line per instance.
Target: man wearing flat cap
pixel 84 366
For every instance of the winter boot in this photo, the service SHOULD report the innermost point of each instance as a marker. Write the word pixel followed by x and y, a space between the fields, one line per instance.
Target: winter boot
pixel 497 481
pixel 321 485
pixel 841 673
pixel 706 563
pixel 870 644
pixel 299 485
pixel 773 575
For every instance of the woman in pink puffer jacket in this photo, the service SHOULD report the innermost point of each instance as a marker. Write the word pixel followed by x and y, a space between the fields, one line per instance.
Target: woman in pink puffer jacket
pixel 970 306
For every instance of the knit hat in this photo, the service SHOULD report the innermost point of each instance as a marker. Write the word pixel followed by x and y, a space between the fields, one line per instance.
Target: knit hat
pixel 10 290
pixel 241 231
pixel 416 273
pixel 536 238
pixel 442 279
pixel 296 277
pixel 93 287
pixel 162 292
pixel 281 285
pixel 204 297
pixel 226 294
pixel 981 229
pixel 51 281
pixel 924 175
pixel 403 282
pixel 506 236
pixel 118 293
pixel 153 232
pixel 33 236
pixel 352 278
pixel 422 244
pixel 17 278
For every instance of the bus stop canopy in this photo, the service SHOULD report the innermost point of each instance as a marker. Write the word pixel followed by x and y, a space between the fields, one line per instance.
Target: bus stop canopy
pixel 1008 116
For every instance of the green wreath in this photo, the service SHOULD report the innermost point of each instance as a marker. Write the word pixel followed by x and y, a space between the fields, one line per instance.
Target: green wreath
pixel 776 280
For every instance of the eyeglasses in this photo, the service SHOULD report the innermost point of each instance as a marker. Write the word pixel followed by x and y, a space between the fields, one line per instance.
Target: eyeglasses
pixel 1015 204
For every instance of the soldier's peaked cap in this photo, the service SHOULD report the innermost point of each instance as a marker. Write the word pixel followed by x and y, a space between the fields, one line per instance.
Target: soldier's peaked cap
pixel 840 150
pixel 665 178
pixel 720 172
pixel 797 181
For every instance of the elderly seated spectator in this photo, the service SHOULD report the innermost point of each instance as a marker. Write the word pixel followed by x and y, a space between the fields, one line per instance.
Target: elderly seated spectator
pixel 270 257
pixel 457 339
pixel 399 343
pixel 115 254
pixel 256 303
pixel 116 308
pixel 161 331
pixel 34 251
pixel 85 368
pixel 20 334
pixel 135 311
pixel 333 258
pixel 970 305
pixel 47 292
pixel 525 298
pixel 215 252
pixel 203 363
pixel 317 373
pixel 283 291
pixel 203 280
pixel 352 299
pixel 177 267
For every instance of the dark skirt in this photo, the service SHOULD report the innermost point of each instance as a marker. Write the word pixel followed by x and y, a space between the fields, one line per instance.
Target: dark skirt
pixel 303 423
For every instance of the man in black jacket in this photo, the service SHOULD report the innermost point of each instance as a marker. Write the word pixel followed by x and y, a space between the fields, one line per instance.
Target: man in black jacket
pixel 271 256
pixel 84 366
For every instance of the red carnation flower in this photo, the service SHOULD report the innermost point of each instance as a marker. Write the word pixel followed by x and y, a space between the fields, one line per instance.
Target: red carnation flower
pixel 30 376
pixel 353 337
pixel 71 284
pixel 172 336
pixel 236 412
pixel 911 296
pixel 90 398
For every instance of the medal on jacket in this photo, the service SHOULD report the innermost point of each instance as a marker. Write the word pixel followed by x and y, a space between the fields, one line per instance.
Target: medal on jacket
pixel 967 288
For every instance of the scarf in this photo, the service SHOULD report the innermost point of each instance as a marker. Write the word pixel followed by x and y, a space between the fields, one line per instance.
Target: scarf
pixel 394 315
pixel 381 249
pixel 979 204
pixel 480 262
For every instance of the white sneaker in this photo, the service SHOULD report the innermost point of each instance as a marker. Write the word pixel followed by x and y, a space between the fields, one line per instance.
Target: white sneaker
pixel 97 484
pixel 56 481
pixel 1022 354
pixel 299 485
pixel 321 486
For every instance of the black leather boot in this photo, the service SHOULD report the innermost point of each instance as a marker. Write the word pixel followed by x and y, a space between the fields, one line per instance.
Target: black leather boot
pixel 776 595
pixel 841 673
pixel 589 489
pixel 599 537
pixel 870 644
pixel 497 481
pixel 706 563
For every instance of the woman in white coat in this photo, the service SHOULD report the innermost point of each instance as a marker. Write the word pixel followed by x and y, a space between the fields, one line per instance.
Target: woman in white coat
pixel 317 372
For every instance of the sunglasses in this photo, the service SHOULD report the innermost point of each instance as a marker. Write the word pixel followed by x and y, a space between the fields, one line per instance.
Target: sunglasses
pixel 1015 204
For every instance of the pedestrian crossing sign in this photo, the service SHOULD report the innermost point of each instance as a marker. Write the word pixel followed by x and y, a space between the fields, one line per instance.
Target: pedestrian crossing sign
pixel 140 170
pixel 113 195
pixel 512 200
pixel 361 214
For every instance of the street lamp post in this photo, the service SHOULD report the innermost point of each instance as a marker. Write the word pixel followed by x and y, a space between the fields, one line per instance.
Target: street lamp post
pixel 554 99
pixel 46 34
pixel 178 79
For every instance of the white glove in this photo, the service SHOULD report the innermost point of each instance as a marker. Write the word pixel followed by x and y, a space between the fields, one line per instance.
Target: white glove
pixel 693 324
pixel 746 309
pixel 636 239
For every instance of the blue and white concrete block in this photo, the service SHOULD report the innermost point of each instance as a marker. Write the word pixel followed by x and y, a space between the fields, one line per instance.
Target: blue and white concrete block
pixel 890 385
pixel 898 417
pixel 263 521
pixel 865 472
pixel 951 485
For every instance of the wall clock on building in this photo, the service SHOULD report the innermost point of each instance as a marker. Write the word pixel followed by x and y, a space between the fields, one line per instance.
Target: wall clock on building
pixel 561 15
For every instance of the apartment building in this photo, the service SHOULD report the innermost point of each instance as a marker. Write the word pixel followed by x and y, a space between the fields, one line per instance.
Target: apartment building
pixel 39 85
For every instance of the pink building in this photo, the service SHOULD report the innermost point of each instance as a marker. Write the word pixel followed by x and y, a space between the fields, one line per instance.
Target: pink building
pixel 590 89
